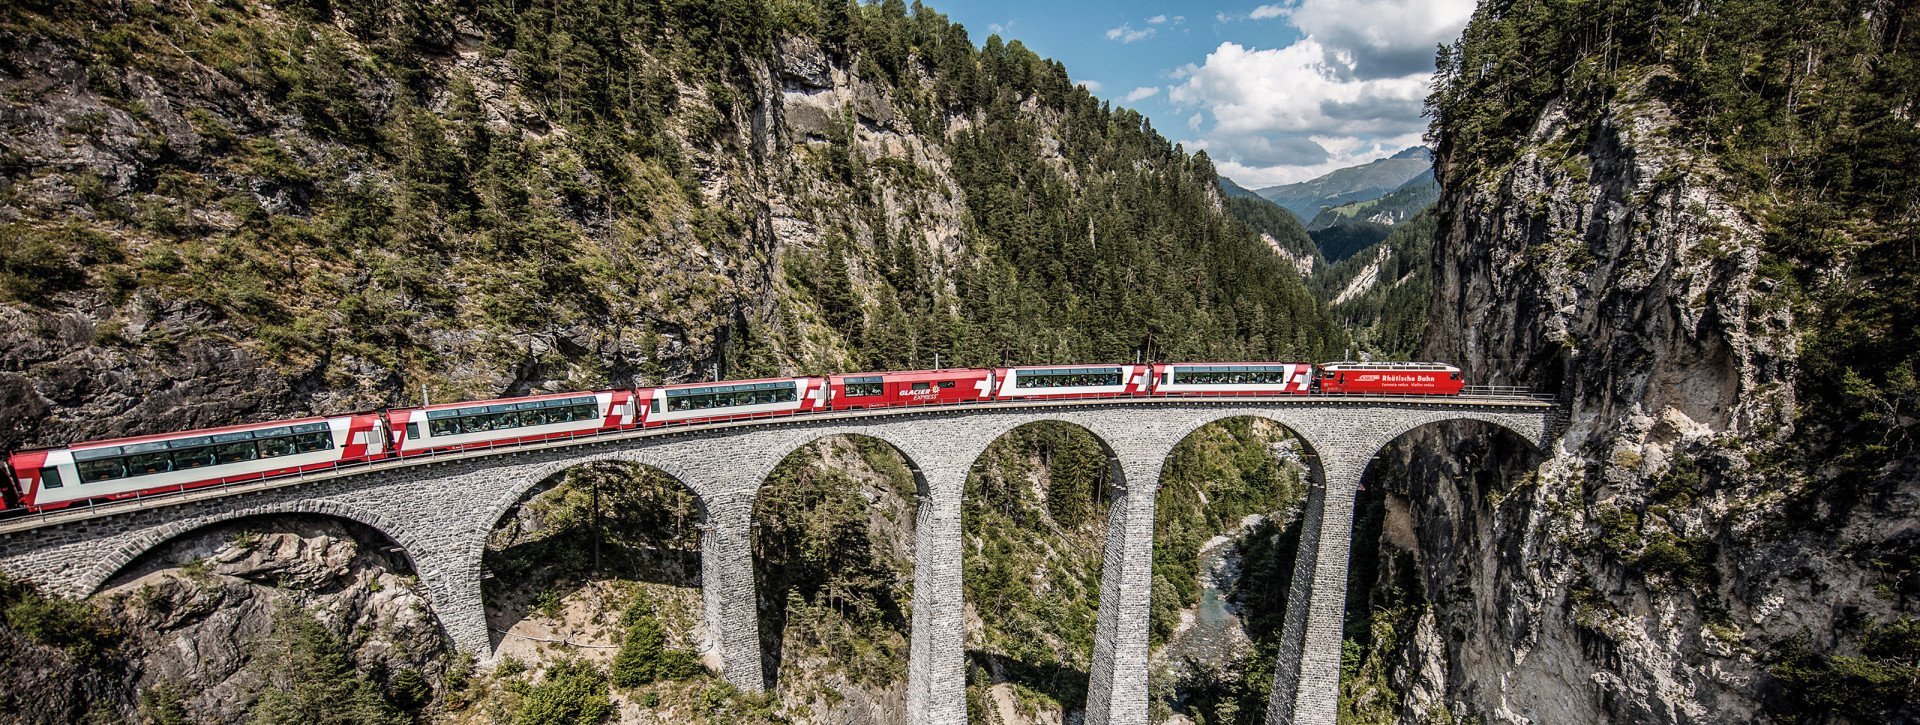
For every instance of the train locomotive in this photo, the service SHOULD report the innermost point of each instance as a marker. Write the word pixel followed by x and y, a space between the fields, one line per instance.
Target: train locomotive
pixel 55 478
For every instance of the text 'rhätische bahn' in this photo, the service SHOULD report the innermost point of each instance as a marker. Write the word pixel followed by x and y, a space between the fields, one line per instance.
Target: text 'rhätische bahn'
pixel 47 479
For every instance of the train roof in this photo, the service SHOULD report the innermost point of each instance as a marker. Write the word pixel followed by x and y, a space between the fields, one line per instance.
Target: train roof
pixel 716 383
pixel 1075 366
pixel 1388 365
pixel 108 442
pixel 521 399
pixel 940 374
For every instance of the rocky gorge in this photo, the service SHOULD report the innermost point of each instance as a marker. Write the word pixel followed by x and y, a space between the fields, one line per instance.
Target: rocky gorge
pixel 1691 228
pixel 1709 540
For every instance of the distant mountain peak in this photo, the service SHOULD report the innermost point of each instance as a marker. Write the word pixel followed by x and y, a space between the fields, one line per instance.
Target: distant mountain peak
pixel 1367 181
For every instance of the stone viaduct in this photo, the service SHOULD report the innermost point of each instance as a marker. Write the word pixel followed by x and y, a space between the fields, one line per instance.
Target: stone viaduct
pixel 441 510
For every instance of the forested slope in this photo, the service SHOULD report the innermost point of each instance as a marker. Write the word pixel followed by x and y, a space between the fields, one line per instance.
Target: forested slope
pixel 242 210
pixel 228 211
pixel 1382 293
pixel 1695 223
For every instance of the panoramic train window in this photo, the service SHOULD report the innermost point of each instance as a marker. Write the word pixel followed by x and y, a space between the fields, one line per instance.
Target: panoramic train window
pixel 236 452
pixel 1230 374
pixel 727 396
pixel 864 387
pixel 185 454
pixel 1066 377
pixel 99 465
pixel 276 447
pixel 503 416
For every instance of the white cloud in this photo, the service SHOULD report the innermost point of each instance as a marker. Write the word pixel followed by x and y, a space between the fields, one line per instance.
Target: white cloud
pixel 1285 114
pixel 1157 19
pixel 1380 38
pixel 1142 92
pixel 1348 92
pixel 1093 86
pixel 1000 28
pixel 1127 34
pixel 1292 89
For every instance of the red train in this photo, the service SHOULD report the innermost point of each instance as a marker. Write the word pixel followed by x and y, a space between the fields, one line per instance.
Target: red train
pixel 39 480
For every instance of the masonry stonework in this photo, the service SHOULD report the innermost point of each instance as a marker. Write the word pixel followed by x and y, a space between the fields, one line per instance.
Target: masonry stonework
pixel 441 511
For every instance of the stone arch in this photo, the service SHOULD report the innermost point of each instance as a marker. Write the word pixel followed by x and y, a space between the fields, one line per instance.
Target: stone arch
pixel 1296 428
pixel 904 505
pixel 1120 445
pixel 1529 427
pixel 1308 667
pixel 137 544
pixel 514 494
pixel 539 478
pixel 1095 424
pixel 785 447
pixel 1309 453
pixel 1497 427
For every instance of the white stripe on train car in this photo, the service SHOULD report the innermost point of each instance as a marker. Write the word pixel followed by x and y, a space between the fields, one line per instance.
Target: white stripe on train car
pixel 74 489
pixel 428 440
pixel 791 406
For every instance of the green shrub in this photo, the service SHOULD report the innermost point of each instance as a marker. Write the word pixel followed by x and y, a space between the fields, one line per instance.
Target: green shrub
pixel 309 676
pixel 1680 484
pixel 1876 685
pixel 639 660
pixel 407 689
pixel 547 604
pixel 163 705
pixel 69 624
pixel 1619 530
pixel 572 692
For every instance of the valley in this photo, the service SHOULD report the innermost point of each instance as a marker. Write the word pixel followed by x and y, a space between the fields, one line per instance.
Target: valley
pixel 1686 223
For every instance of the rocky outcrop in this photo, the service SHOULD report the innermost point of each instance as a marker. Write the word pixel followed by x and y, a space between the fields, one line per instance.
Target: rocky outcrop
pixel 1653 565
pixel 195 613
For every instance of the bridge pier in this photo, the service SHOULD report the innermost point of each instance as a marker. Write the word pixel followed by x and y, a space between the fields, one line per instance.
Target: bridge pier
pixel 937 664
pixel 1306 683
pixel 452 579
pixel 727 589
pixel 1117 685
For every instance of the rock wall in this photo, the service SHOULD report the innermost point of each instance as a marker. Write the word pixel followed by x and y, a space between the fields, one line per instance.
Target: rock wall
pixel 188 620
pixel 1654 565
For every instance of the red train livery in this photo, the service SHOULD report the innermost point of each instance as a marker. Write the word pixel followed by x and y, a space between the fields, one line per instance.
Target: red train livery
pixel 914 387
pixel 456 426
pixel 39 480
pixel 128 467
pixel 1391 378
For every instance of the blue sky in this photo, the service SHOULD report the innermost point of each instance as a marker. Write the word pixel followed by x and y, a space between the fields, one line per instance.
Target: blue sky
pixel 1276 92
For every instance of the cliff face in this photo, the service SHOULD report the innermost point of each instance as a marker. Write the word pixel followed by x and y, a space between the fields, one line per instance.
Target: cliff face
pixel 1703 543
pixel 221 625
pixel 221 212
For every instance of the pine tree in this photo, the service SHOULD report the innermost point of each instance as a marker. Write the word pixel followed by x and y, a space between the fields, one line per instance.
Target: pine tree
pixel 311 679
pixel 639 660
